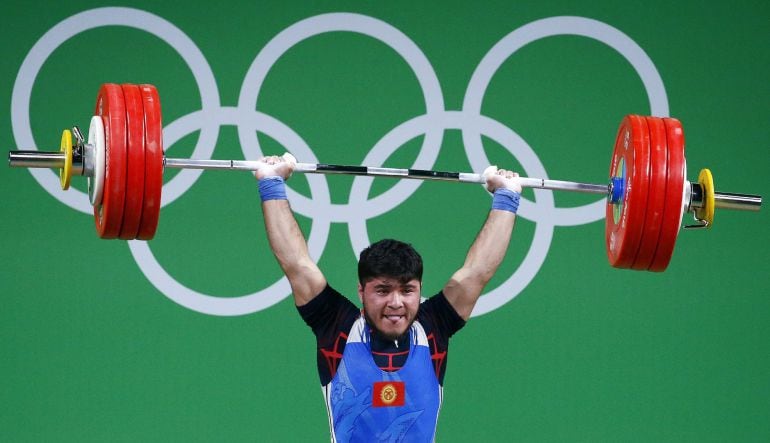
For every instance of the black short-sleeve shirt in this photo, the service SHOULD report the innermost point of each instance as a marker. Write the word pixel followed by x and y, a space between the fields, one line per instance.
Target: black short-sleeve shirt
pixel 331 315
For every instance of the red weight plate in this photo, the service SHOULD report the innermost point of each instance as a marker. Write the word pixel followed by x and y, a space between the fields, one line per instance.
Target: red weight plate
pixel 625 221
pixel 656 198
pixel 672 214
pixel 108 214
pixel 132 209
pixel 153 162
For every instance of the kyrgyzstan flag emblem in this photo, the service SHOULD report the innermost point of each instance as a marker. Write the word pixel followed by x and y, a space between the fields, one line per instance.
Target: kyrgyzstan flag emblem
pixel 388 393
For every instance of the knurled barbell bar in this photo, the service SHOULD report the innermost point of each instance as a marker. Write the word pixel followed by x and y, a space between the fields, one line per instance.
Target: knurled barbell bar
pixel 647 194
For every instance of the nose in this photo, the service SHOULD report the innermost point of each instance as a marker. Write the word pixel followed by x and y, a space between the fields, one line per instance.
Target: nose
pixel 396 299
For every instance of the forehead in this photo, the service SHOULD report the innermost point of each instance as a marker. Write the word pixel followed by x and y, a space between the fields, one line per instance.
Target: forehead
pixel 386 281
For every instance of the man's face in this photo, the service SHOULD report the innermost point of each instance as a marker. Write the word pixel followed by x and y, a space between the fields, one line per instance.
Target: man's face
pixel 390 306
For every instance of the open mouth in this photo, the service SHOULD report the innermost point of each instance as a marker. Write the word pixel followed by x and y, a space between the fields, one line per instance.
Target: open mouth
pixel 394 318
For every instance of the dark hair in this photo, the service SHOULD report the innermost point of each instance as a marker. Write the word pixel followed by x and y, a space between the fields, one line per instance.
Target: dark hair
pixel 391 258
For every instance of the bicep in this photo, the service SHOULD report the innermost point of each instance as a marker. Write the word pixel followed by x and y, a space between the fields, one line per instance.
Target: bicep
pixel 484 257
pixel 307 281
pixel 462 291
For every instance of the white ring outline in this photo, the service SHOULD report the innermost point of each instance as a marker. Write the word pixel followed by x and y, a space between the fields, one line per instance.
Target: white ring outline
pixel 368 26
pixel 96 18
pixel 280 289
pixel 249 303
pixel 506 137
pixel 531 32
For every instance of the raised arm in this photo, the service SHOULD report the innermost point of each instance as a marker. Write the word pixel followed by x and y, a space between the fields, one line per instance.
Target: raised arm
pixel 286 239
pixel 488 249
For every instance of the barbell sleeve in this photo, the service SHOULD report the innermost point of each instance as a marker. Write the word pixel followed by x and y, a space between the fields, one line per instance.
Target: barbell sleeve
pixel 740 202
pixel 36 159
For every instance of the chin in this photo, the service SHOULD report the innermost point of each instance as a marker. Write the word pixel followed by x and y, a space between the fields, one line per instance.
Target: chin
pixel 390 334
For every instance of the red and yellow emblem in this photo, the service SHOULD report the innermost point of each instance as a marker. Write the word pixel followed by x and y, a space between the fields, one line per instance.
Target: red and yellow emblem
pixel 388 393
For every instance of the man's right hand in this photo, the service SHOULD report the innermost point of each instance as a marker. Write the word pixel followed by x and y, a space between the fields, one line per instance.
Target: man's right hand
pixel 275 166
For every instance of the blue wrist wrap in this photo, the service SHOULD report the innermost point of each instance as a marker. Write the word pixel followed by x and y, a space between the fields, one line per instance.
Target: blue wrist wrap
pixel 506 200
pixel 272 188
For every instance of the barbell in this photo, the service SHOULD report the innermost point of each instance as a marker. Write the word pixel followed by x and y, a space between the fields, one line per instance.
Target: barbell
pixel 647 194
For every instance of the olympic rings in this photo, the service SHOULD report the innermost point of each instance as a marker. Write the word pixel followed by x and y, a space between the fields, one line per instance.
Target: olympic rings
pixel 359 209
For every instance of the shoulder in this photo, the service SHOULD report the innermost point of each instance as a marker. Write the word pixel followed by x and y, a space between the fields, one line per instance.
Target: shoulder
pixel 329 312
pixel 437 315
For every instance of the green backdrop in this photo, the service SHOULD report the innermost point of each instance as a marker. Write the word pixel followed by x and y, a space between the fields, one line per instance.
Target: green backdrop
pixel 93 346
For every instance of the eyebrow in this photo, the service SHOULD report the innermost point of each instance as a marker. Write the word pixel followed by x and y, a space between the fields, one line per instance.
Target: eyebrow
pixel 392 285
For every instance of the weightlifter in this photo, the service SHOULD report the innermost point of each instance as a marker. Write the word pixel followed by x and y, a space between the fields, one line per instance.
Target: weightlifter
pixel 382 367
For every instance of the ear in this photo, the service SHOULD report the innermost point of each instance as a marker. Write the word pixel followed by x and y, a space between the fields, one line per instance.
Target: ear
pixel 360 292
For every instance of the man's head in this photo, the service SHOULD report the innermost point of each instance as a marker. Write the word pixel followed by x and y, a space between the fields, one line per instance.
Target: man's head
pixel 389 284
